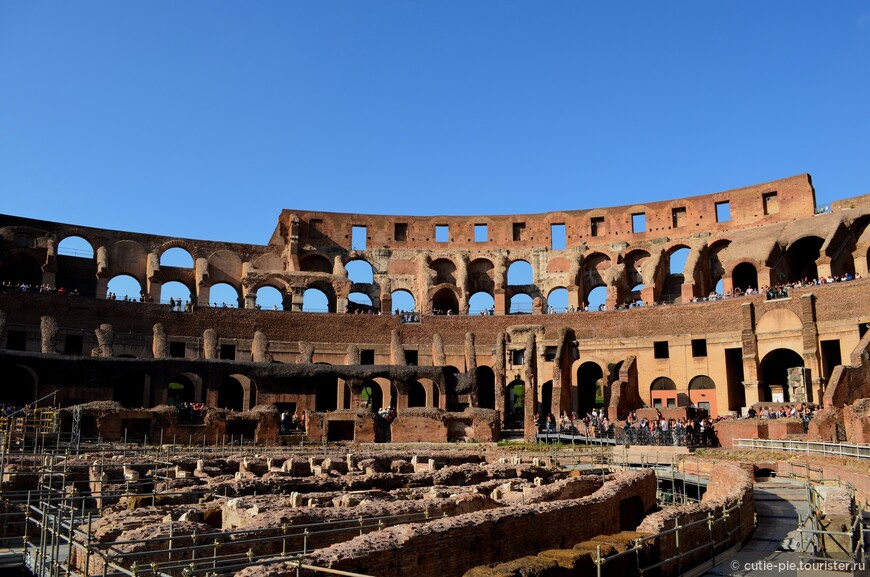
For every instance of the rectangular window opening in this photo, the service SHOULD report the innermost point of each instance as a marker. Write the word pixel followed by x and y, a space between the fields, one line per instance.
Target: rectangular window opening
pixel 558 237
pixel 177 350
pixel 400 232
pixel 678 216
pixel 228 352
pixel 519 229
pixel 723 211
pixel 517 357
pixel 72 345
pixel 442 233
pixel 550 354
pixel 638 222
pixel 770 203
pixel 660 350
pixel 358 239
pixel 699 347
pixel 481 232
pixel 598 226
pixel 315 228
pixel 16 340
pixel 412 357
pixel 367 357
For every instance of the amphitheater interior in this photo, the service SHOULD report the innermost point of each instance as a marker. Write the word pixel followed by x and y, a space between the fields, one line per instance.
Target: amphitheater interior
pixel 602 391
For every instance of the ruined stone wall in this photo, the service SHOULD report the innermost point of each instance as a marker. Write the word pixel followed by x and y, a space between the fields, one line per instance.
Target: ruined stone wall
pixel 492 536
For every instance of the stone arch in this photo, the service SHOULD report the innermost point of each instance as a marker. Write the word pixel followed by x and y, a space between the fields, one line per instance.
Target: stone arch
pixel 799 260
pixel 515 404
pixel 778 321
pixel 663 392
pixel 225 266
pixel 594 274
pixel 222 292
pixel 128 257
pixel 715 263
pixel 674 265
pixel 129 385
pixel 744 276
pixel 485 387
pixel 184 245
pixel 590 386
pixel 480 302
pixel 71 238
pixel 372 395
pixel 445 271
pixel 236 392
pixel 403 300
pixel 416 395
pixel 77 270
pixel 326 290
pixel 773 370
pixel 521 303
pixel 433 392
pixel 185 387
pixel 557 298
pixel 702 394
pixel 481 276
pixel 125 287
pixel 21 268
pixel 20 386
pixel 445 300
pixel 360 271
pixel 315 263
pixel 175 290
pixel 520 273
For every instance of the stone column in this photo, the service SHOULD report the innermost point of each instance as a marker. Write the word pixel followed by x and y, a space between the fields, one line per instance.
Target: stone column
pixel 750 390
pixel 48 330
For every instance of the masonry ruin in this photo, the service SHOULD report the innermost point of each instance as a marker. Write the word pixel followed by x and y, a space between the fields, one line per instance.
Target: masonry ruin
pixel 770 309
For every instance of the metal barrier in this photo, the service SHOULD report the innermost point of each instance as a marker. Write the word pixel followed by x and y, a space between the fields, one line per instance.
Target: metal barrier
pixel 835 449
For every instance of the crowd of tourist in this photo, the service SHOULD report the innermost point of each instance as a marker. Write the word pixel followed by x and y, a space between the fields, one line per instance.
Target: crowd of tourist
pixel 804 412
pixel 191 413
pixel 9 286
pixel 387 414
pixel 294 423
pixel 408 316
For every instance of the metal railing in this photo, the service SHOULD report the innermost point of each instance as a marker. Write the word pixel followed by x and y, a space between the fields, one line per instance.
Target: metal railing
pixel 814 447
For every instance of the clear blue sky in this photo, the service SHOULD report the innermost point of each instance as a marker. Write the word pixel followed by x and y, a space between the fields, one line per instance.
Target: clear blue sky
pixel 205 119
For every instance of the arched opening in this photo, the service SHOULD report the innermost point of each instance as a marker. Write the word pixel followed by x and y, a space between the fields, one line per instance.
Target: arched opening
pixel 774 375
pixel 403 301
pixel 521 304
pixel 181 390
pixel 445 271
pixel 360 299
pixel 520 273
pixel 716 266
pixel 270 298
pixel 590 382
pixel 663 393
pixel 21 269
pixel 75 246
pixel 481 273
pixel 596 298
pixel 416 395
pixel 76 266
pixel 634 296
pixel 175 291
pixel 221 293
pixel 19 387
pixel 744 276
pixel 485 387
pixel 360 271
pixel 481 303
pixel 231 394
pixel 672 289
pixel 315 301
pixel 316 263
pixel 800 258
pixel 325 393
pixel 124 288
pixel 372 396
pixel 547 400
pixel 557 300
pixel 176 257
pixel 702 394
pixel 516 404
pixel 394 396
pixel 718 289
pixel 445 302
pixel 347 397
